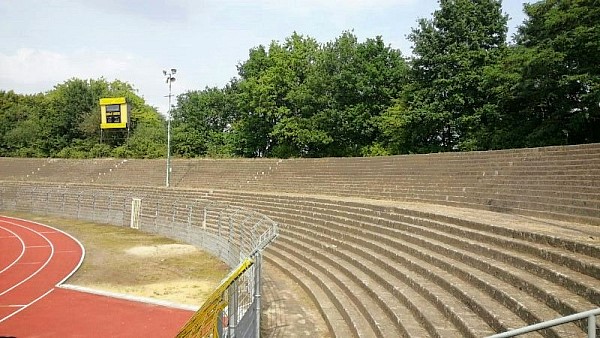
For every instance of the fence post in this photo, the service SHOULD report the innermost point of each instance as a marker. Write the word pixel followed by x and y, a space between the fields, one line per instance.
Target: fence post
pixel 78 203
pixel 31 203
pixel 47 202
pixel 592 326
pixel 257 295
pixel 136 208
pixel 232 309
pixel 190 211
pixel 93 206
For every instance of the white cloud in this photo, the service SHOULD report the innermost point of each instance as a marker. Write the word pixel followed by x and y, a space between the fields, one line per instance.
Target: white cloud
pixel 31 66
pixel 31 71
pixel 167 11
pixel 323 4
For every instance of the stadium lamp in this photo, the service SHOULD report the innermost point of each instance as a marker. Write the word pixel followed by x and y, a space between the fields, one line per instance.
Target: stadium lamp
pixel 170 78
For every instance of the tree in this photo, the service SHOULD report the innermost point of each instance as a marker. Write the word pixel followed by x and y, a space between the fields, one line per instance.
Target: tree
pixel 446 108
pixel 359 81
pixel 559 91
pixel 301 98
pixel 273 101
pixel 65 122
pixel 200 120
pixel 21 124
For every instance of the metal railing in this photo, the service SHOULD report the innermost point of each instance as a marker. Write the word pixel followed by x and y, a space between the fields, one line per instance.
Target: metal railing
pixel 233 234
pixel 589 315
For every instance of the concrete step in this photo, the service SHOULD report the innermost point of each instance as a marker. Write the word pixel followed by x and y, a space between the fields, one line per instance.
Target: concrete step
pixel 354 289
pixel 377 245
pixel 345 221
pixel 333 318
pixel 342 319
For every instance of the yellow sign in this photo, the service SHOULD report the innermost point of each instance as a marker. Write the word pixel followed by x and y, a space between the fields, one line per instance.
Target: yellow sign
pixel 114 113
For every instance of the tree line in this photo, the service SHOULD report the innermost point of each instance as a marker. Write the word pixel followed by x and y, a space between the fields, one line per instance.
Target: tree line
pixel 65 122
pixel 465 87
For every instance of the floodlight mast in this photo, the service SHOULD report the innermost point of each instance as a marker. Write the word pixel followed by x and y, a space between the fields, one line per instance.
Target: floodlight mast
pixel 170 78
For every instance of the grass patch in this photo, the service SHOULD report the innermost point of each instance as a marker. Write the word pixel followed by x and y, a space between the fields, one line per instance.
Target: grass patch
pixel 181 276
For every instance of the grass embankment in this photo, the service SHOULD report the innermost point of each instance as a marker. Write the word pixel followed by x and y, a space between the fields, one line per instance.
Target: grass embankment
pixel 129 261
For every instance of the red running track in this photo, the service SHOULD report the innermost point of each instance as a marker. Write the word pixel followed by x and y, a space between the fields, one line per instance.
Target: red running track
pixel 34 260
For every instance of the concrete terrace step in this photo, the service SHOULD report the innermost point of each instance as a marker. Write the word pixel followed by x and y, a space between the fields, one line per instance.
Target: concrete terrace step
pixel 421 283
pixel 395 280
pixel 510 224
pixel 445 299
pixel 387 284
pixel 368 310
pixel 411 163
pixel 561 258
pixel 322 297
pixel 549 207
pixel 454 234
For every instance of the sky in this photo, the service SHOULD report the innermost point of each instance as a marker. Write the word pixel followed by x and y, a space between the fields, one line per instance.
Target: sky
pixel 46 42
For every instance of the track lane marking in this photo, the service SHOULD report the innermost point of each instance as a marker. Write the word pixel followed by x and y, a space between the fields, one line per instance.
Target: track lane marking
pixel 26 305
pixel 56 231
pixel 22 249
pixel 39 269
pixel 12 305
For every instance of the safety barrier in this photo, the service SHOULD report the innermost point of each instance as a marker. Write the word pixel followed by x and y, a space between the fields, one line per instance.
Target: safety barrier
pixel 234 234
pixel 589 315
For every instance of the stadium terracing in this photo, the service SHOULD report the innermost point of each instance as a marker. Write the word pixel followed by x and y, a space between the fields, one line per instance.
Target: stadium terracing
pixel 446 245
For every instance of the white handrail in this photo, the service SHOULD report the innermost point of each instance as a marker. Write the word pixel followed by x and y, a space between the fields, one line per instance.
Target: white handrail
pixel 590 315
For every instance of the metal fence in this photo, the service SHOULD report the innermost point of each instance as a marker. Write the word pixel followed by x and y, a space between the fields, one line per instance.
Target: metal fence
pixel 589 315
pixel 233 234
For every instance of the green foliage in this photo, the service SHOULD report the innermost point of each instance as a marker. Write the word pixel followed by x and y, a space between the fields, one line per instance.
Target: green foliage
pixel 445 97
pixel 147 141
pixel 202 120
pixel 376 149
pixel 463 89
pixel 65 122
pixel 359 82
pixel 560 79
pixel 301 98
pixel 21 124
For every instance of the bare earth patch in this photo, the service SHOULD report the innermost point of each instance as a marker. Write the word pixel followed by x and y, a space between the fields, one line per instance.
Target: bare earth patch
pixel 161 250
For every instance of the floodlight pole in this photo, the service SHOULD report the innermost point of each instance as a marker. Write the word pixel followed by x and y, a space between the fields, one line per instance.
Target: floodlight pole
pixel 170 79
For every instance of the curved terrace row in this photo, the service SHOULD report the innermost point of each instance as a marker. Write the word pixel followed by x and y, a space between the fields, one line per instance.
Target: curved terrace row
pixel 450 245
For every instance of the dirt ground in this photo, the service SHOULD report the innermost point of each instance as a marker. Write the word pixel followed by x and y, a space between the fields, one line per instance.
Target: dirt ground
pixel 128 261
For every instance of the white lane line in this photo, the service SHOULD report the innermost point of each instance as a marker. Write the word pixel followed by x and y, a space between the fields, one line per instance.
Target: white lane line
pixel 39 269
pixel 58 231
pixel 26 306
pixel 22 250
pixel 64 279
